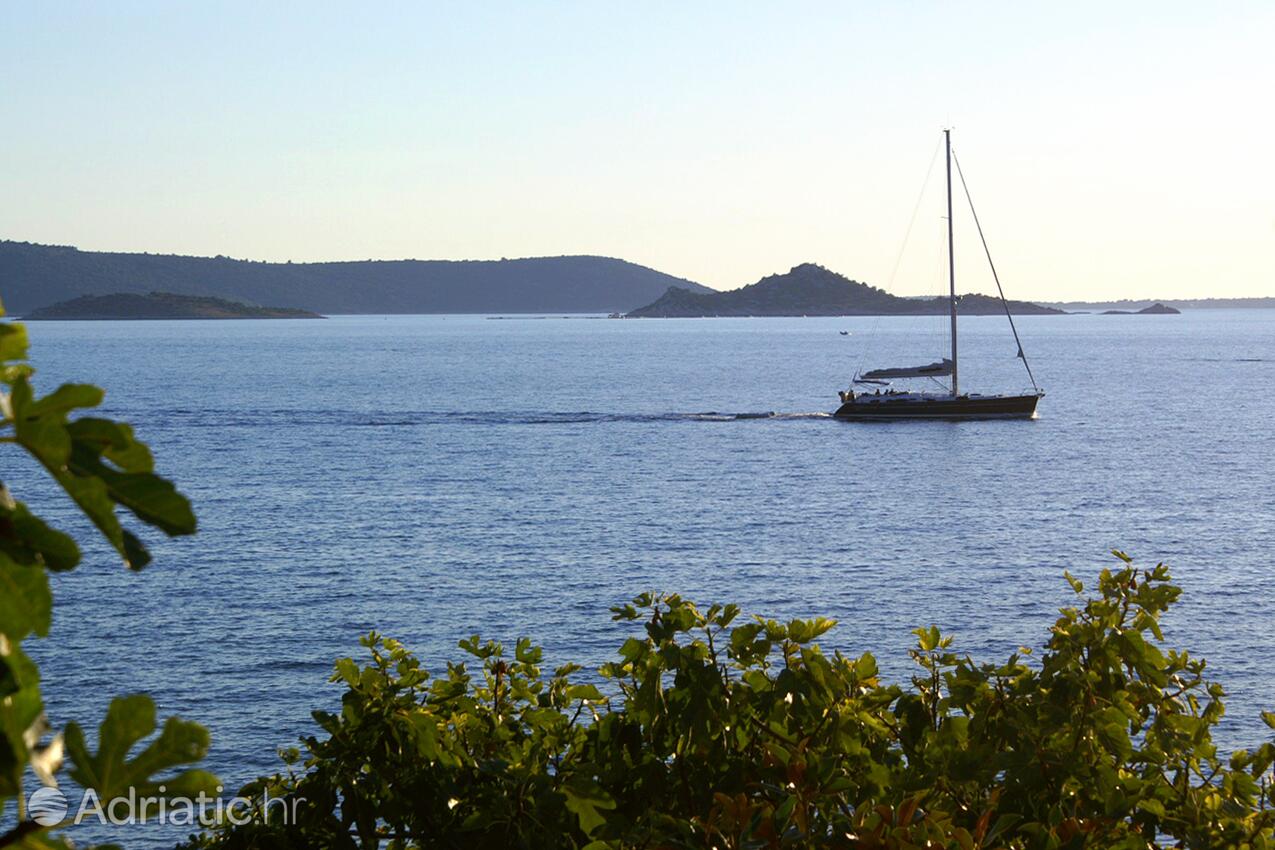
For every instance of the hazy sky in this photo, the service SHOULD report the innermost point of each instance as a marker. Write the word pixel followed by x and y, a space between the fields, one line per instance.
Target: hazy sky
pixel 1114 149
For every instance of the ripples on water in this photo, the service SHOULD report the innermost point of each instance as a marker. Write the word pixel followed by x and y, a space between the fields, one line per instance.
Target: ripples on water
pixel 431 477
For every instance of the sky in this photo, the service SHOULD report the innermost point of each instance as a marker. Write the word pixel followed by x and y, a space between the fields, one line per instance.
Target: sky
pixel 1113 149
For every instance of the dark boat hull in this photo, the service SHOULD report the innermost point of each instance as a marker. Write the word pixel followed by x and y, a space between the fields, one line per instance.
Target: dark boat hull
pixel 939 407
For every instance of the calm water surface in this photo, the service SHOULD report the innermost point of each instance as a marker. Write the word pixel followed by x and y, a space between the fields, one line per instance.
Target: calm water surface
pixel 431 477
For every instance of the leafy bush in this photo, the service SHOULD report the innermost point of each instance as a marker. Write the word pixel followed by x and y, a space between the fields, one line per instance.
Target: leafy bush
pixel 102 467
pixel 721 734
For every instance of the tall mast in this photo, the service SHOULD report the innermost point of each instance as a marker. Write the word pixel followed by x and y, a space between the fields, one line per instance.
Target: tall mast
pixel 951 256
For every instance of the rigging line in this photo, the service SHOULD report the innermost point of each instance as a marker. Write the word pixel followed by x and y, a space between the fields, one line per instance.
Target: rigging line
pixel 915 210
pixel 1021 354
pixel 898 260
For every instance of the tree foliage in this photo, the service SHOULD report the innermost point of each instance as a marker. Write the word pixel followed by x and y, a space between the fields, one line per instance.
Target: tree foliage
pixel 711 731
pixel 107 472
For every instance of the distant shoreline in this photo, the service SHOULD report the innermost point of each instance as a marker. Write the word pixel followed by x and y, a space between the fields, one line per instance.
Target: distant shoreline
pixel 1134 304
pixel 153 306
pixel 532 317
pixel 158 318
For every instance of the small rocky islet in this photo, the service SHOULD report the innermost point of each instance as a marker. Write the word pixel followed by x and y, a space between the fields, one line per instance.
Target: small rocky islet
pixel 1156 309
pixel 160 305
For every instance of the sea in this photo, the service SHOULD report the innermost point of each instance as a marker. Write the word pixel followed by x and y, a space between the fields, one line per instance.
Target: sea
pixel 433 477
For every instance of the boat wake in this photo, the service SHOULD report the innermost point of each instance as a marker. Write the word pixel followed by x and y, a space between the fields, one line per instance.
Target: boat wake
pixel 1234 360
pixel 584 417
pixel 416 418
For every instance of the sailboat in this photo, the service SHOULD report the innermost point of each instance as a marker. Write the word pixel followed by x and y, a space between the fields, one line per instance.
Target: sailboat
pixel 953 404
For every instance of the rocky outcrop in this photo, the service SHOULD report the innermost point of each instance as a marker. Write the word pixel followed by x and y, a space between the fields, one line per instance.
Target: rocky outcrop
pixel 161 305
pixel 812 290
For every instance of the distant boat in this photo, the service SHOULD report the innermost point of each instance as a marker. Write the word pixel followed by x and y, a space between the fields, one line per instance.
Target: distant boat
pixel 844 333
pixel 953 404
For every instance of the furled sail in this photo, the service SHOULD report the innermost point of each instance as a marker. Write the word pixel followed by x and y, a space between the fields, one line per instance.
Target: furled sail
pixel 934 370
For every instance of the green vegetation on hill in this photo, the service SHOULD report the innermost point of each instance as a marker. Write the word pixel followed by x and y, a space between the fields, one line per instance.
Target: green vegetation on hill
pixel 38 275
pixel 812 290
pixel 161 305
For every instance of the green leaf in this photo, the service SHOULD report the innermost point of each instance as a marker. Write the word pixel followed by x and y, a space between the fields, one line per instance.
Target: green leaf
pixel 425 733
pixel 26 604
pixel 526 653
pixel 152 499
pixel 93 498
pixel 73 453
pixel 804 631
pixel 1003 824
pixel 347 670
pixel 21 715
pixel 586 798
pixel 65 399
pixel 26 539
pixel 114 441
pixel 632 649
pixel 136 555
pixel 13 340
pixel 742 636
pixel 128 720
pixel 927 639
pixel 1113 731
pixel 17 672
pixel 47 439
pixel 585 692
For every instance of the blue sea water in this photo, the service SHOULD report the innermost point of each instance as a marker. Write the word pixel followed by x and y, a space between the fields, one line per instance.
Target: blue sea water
pixel 431 477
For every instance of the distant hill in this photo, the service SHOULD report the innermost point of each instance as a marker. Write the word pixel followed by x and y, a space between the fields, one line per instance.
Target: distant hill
pixel 33 276
pixel 1156 309
pixel 812 290
pixel 160 305
pixel 1130 305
